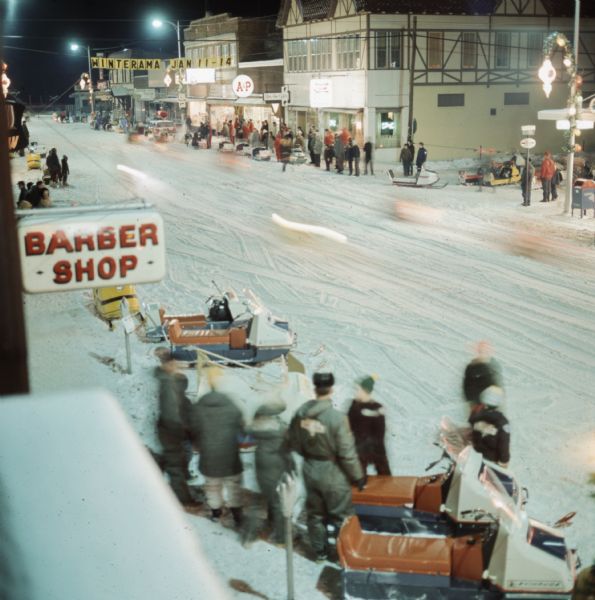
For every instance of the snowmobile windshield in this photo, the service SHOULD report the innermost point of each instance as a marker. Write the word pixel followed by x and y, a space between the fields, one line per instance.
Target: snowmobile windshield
pixel 502 483
pixel 552 544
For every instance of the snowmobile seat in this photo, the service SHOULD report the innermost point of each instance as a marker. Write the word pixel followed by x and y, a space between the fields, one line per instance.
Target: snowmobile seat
pixel 428 492
pixel 384 490
pixel 403 554
pixel 201 337
pixel 185 320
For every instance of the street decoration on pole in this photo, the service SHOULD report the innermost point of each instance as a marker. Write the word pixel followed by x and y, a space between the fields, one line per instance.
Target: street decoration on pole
pixel 547 74
pixel 287 491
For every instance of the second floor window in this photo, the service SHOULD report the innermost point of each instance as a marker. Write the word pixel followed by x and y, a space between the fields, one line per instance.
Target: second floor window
pixel 388 49
pixel 435 49
pixel 348 52
pixel 502 50
pixel 321 52
pixel 534 49
pixel 297 55
pixel 468 50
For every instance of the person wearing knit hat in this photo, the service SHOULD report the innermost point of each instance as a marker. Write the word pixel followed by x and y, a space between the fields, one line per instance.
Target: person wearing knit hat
pixel 366 417
pixel 481 372
pixel 490 432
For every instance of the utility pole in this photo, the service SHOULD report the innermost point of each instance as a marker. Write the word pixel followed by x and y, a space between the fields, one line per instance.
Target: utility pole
pixel 411 78
pixel 14 377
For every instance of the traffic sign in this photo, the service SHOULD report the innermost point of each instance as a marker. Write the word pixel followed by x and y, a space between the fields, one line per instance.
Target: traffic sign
pixel 528 143
pixel 272 97
pixel 285 96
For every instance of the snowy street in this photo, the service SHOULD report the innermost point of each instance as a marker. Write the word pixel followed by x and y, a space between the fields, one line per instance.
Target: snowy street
pixel 406 297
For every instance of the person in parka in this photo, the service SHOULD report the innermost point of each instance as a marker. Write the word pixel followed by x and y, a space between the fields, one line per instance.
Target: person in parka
pixel 316 148
pixel 366 417
pixel 172 426
pixel 490 433
pixel 53 164
pixel 272 460
pixel 321 434
pixel 215 426
pixel 339 151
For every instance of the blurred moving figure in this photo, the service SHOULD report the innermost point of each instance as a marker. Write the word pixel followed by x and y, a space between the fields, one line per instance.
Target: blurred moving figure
pixel 273 459
pixel 366 417
pixel 216 424
pixel 321 434
pixel 482 372
pixel 172 426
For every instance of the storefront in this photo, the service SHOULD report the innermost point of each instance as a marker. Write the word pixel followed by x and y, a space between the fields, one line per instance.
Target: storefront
pixel 334 119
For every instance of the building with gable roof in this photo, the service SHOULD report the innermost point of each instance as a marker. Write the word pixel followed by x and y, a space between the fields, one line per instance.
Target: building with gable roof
pixel 461 76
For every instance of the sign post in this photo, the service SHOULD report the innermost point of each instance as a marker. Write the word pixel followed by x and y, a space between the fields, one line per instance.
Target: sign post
pixel 129 326
pixel 528 143
pixel 287 491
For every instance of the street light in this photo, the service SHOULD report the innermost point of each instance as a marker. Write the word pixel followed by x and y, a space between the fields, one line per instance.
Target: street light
pixel 158 23
pixel 75 47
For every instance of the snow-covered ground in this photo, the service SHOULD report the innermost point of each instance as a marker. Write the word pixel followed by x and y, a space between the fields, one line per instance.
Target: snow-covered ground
pixel 405 298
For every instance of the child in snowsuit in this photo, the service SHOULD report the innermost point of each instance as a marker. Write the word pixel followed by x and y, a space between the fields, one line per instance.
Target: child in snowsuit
pixel 366 417
pixel 272 459
pixel 65 170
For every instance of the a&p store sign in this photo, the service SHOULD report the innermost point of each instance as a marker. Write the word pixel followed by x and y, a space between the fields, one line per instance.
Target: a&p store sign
pixel 76 251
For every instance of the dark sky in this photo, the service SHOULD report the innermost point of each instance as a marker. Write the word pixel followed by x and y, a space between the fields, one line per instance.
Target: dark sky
pixel 36 34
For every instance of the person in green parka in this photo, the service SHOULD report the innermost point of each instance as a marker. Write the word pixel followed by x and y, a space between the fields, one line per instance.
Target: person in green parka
pixel 321 434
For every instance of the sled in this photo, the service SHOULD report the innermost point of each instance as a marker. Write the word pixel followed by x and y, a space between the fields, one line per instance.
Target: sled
pixel 425 179
pixel 230 331
pixel 33 161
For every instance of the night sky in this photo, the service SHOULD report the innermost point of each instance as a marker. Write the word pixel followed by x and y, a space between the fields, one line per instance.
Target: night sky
pixel 36 34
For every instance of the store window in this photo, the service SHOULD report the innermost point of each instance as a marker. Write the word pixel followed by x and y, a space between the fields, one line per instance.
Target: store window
pixel 388 49
pixel 502 50
pixel 468 50
pixel 348 52
pixel 435 49
pixel 387 124
pixel 387 128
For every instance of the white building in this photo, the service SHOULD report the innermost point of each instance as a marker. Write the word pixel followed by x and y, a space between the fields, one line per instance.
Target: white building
pixel 467 69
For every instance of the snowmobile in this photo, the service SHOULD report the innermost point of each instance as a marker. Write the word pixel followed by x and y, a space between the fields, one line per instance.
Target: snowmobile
pixel 261 153
pixel 499 174
pixel 425 178
pixel 108 302
pixel 514 557
pixel 231 331
pixel 297 157
pixel 439 504
pixel 463 534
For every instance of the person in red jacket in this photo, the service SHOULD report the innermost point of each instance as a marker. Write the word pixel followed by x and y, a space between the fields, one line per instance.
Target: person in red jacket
pixel 548 169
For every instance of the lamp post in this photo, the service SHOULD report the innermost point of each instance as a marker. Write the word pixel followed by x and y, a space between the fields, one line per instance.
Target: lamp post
pixel 74 47
pixel 547 74
pixel 528 142
pixel 158 23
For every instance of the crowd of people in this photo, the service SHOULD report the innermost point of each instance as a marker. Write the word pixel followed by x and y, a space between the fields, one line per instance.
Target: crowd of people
pixel 338 449
pixel 37 195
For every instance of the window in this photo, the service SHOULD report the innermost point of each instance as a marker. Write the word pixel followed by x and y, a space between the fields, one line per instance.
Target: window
pixel 435 49
pixel 387 124
pixel 321 52
pixel 502 50
pixel 534 49
pixel 388 49
pixel 348 52
pixel 516 98
pixel 297 55
pixel 468 50
pixel 451 99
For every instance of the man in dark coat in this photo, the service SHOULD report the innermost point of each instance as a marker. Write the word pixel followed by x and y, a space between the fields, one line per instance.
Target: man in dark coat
pixel 490 433
pixel 172 426
pixel 53 164
pixel 368 158
pixel 321 434
pixel 339 151
pixel 422 156
pixel 215 425
pixel 527 173
pixel 272 460
pixel 406 159
pixel 482 372
pixel 366 417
